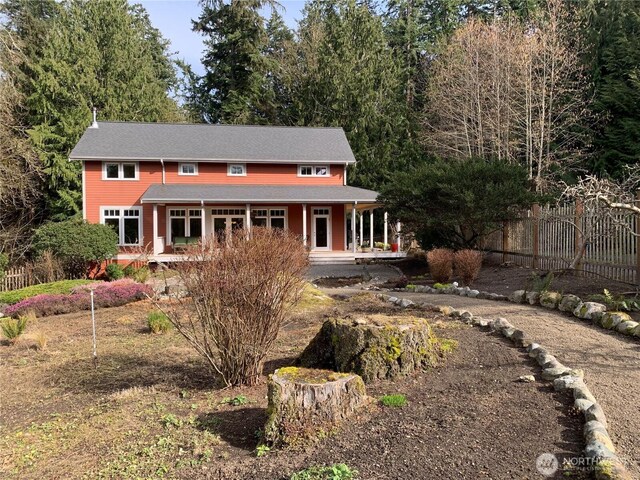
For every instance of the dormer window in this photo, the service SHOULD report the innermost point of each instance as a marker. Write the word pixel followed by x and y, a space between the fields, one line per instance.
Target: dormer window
pixel 313 171
pixel 237 169
pixel 119 171
pixel 188 169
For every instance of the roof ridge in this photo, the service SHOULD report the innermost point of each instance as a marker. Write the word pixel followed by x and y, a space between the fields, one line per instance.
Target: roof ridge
pixel 124 122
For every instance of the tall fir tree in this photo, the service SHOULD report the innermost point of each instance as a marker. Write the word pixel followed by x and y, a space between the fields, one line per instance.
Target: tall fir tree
pixel 232 88
pixel 85 54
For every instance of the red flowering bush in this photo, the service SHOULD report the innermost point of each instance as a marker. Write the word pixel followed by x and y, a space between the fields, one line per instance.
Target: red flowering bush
pixel 106 294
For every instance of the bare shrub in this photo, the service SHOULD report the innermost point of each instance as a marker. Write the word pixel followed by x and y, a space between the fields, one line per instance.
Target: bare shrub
pixel 239 289
pixel 440 261
pixel 467 264
pixel 48 268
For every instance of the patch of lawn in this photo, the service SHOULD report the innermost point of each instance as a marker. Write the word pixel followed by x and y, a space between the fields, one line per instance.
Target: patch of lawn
pixel 397 400
pixel 61 287
pixel 331 472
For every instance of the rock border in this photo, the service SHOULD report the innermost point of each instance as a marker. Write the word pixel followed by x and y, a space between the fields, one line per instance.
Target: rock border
pixel 599 447
pixel 597 313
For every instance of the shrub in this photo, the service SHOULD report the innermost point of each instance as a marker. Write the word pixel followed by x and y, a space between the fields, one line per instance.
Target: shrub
pixel 340 471
pixel 4 264
pixel 539 283
pixel 142 274
pixel 440 262
pixel 76 244
pixel 106 294
pixel 239 289
pixel 396 400
pixel 114 271
pixel 63 286
pixel 467 264
pixel 12 328
pixel 158 322
pixel 48 268
pixel 40 339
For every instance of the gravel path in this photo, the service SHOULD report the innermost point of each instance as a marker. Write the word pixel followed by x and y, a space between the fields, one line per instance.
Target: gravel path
pixel 611 361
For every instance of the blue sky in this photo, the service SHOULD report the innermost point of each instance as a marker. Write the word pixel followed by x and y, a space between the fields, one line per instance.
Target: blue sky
pixel 173 19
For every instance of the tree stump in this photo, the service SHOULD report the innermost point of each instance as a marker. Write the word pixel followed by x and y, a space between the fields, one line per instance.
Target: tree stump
pixel 375 346
pixel 304 403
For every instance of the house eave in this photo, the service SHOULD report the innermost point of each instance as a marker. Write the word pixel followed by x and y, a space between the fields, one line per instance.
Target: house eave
pixel 210 160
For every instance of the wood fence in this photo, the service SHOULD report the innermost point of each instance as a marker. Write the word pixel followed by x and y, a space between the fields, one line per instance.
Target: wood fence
pixel 549 238
pixel 17 277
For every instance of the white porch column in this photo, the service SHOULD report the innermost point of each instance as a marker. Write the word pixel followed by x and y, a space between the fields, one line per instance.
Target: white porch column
pixel 398 227
pixel 361 229
pixel 155 229
pixel 247 213
pixel 203 223
pixel 371 229
pixel 353 228
pixel 386 229
pixel 304 224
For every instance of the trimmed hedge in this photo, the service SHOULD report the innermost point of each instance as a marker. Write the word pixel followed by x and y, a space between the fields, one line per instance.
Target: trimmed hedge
pixel 113 294
pixel 61 287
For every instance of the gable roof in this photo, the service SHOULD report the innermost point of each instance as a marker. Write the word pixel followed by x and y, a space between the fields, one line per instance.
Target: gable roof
pixel 197 193
pixel 217 143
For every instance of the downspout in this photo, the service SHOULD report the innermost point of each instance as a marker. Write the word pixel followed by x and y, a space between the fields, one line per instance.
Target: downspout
pixel 163 179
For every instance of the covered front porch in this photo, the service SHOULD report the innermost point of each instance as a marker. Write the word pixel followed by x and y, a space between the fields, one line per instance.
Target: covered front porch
pixel 337 224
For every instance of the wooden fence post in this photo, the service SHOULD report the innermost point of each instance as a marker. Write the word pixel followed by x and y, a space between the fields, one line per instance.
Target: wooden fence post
pixel 505 241
pixel 535 225
pixel 579 212
pixel 638 240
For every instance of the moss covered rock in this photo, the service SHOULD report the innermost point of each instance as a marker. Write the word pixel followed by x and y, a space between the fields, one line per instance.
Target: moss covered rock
pixel 587 310
pixel 569 303
pixel 550 299
pixel 611 320
pixel 305 403
pixel 375 347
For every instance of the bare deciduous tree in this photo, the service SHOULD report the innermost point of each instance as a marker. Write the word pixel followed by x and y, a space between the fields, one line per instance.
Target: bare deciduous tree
pixel 512 91
pixel 238 291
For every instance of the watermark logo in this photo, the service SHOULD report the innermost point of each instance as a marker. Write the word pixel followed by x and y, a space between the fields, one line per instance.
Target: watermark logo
pixel 547 464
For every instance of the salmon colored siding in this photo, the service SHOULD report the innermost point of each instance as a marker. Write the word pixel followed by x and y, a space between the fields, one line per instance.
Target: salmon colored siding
pixel 101 193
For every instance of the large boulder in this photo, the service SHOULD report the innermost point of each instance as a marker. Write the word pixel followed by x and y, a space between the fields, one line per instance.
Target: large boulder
pixel 375 346
pixel 627 328
pixel 518 296
pixel 588 310
pixel 569 303
pixel 550 299
pixel 303 403
pixel 533 298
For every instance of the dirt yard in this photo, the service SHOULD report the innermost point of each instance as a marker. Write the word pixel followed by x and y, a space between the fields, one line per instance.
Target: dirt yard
pixel 150 409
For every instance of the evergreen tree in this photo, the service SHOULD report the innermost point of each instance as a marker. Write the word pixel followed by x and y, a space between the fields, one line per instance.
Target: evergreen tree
pixel 85 54
pixel 232 88
pixel 614 29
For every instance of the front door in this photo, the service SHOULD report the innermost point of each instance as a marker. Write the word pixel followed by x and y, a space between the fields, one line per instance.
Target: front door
pixel 225 225
pixel 321 229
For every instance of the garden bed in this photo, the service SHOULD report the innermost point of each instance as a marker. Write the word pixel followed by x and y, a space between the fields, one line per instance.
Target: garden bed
pixel 150 409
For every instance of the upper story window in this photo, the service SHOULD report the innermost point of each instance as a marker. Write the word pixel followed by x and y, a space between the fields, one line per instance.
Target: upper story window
pixel 313 171
pixel 187 169
pixel 237 169
pixel 119 171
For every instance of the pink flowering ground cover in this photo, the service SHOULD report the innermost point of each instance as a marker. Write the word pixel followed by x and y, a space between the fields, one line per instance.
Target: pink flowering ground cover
pixel 106 294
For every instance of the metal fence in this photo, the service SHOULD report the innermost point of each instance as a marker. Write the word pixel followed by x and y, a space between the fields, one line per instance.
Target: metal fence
pixel 550 237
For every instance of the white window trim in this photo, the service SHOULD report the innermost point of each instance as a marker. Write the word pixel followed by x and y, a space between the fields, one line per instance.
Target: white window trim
pixel 329 217
pixel 313 170
pixel 195 169
pixel 187 218
pixel 121 218
pixel 120 172
pixel 268 217
pixel 244 169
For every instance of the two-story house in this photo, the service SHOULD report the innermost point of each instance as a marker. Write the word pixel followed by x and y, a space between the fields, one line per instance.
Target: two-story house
pixel 161 185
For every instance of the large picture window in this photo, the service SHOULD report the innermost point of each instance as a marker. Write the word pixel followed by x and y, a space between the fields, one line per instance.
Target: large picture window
pixel 126 222
pixel 185 222
pixel 269 217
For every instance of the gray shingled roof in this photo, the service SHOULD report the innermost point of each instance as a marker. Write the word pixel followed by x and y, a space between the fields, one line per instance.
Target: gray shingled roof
pixel 188 193
pixel 155 141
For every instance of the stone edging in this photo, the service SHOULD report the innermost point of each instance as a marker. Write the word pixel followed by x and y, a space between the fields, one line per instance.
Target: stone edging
pixel 595 312
pixel 598 445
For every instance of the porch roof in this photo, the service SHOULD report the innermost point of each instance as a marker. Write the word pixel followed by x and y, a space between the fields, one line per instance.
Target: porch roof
pixel 190 193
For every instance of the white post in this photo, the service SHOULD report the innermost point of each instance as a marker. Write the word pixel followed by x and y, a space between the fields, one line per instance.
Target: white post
pixel 93 323
pixel 371 229
pixel 155 229
pixel 248 216
pixel 361 228
pixel 353 228
pixel 203 223
pixel 398 226
pixel 304 224
pixel 386 229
